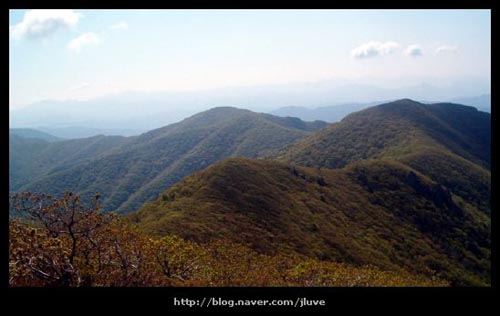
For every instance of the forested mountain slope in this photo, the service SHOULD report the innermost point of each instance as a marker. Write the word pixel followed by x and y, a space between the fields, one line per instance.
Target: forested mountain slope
pixel 31 159
pixel 450 143
pixel 401 184
pixel 127 171
pixel 377 212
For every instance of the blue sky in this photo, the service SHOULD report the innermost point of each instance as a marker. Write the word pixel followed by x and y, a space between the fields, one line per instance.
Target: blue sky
pixel 81 54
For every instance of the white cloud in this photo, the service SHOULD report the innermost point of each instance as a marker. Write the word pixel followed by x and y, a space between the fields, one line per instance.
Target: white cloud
pixel 414 51
pixel 373 49
pixel 79 87
pixel 76 44
pixel 42 23
pixel 119 26
pixel 446 49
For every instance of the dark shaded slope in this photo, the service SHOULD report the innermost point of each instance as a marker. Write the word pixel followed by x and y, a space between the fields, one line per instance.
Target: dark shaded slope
pixel 22 154
pixel 143 166
pixel 31 159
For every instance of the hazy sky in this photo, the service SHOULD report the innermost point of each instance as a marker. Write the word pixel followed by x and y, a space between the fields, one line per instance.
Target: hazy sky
pixel 79 54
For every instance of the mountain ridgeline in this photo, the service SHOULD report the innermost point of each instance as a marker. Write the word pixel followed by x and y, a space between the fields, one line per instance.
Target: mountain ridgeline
pixel 335 113
pixel 31 158
pixel 127 171
pixel 402 185
pixel 449 143
pixel 33 133
pixel 396 129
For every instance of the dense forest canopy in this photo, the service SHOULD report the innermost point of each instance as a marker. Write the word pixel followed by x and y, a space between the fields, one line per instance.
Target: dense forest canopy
pixel 394 195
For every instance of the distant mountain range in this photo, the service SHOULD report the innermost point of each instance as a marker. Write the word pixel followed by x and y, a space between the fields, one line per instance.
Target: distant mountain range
pixel 332 113
pixel 482 102
pixel 127 171
pixel 33 133
pixel 73 132
pixel 399 185
pixel 335 113
pixel 141 111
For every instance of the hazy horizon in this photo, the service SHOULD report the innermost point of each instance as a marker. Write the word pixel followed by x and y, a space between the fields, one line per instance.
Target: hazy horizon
pixel 88 54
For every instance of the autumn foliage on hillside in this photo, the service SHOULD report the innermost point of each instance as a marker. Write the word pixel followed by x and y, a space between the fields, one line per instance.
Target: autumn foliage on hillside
pixel 65 242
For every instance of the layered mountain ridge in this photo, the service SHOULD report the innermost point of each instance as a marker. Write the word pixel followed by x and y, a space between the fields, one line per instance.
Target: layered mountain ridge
pixel 127 171
pixel 400 185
